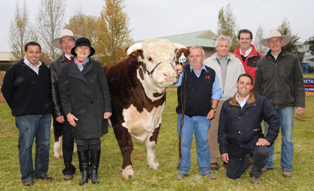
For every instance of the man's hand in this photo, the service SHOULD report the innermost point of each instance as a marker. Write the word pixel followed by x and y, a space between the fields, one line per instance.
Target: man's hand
pixel 299 110
pixel 225 157
pixel 60 119
pixel 107 115
pixel 211 114
pixel 71 119
pixel 262 142
pixel 178 68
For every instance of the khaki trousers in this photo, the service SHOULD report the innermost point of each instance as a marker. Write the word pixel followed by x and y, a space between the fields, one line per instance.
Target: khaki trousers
pixel 213 136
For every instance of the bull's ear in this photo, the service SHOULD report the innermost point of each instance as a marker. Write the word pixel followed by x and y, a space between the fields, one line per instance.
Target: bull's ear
pixel 136 54
pixel 185 51
pixel 126 50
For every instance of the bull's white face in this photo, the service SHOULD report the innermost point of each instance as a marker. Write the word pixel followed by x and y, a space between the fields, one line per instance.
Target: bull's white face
pixel 159 58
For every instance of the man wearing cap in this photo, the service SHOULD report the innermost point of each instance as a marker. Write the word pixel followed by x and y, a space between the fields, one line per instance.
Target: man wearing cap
pixel 246 52
pixel 279 78
pixel 66 42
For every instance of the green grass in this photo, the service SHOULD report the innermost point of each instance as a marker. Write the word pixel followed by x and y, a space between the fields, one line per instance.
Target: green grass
pixel 167 155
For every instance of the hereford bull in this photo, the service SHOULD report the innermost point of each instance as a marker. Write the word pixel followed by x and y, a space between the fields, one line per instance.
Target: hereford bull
pixel 138 94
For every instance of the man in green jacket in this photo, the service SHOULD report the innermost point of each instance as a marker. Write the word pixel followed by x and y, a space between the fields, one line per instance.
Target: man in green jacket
pixel 279 78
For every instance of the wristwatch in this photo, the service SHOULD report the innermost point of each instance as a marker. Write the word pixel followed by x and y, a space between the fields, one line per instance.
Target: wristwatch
pixel 214 109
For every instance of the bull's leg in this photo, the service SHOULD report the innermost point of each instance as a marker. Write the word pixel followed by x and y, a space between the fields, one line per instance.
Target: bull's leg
pixel 75 147
pixel 57 133
pixel 126 147
pixel 151 147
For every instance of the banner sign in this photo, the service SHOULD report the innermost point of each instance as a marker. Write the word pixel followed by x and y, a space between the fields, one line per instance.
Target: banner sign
pixel 309 85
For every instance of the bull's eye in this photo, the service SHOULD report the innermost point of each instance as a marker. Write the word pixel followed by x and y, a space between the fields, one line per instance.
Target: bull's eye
pixel 150 59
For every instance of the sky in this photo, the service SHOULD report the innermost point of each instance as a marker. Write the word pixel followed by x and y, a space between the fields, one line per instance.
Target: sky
pixel 158 18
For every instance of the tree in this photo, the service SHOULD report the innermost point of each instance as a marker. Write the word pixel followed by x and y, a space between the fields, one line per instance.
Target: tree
pixel 285 29
pixel 84 25
pixel 50 19
pixel 114 32
pixel 258 37
pixel 20 31
pixel 310 45
pixel 227 25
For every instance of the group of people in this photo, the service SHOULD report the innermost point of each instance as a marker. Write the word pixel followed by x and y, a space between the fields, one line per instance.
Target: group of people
pixel 226 98
pixel 75 90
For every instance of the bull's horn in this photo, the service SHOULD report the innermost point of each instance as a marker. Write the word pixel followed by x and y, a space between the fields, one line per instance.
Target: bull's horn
pixel 134 47
pixel 178 46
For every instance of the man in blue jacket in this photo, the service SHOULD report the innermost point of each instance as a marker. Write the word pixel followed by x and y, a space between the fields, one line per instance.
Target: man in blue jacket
pixel 240 132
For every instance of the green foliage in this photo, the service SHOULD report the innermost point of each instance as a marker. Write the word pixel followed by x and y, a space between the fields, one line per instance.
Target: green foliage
pixel 310 43
pixel 5 66
pixel 227 25
pixel 167 156
pixel 293 46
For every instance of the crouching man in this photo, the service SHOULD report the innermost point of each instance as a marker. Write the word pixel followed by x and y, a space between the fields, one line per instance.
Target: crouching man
pixel 240 132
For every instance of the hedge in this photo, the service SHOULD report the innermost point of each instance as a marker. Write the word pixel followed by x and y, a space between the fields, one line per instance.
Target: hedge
pixel 5 66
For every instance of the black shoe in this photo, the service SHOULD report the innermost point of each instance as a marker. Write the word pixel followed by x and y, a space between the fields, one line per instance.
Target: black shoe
pixel 95 155
pixel 29 183
pixel 84 160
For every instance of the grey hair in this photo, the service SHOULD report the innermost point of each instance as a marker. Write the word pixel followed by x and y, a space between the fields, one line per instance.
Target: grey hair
pixel 222 38
pixel 199 47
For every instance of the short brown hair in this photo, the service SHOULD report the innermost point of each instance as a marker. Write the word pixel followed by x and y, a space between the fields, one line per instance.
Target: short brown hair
pixel 244 31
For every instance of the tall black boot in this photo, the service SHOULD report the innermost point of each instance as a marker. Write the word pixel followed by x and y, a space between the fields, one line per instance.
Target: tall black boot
pixel 84 160
pixel 95 155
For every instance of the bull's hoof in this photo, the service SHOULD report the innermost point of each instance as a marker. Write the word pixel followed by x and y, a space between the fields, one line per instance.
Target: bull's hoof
pixel 154 166
pixel 128 172
pixel 58 155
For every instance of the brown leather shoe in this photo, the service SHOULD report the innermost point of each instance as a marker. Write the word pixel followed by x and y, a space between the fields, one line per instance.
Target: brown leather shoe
pixel 287 174
pixel 213 166
pixel 29 183
pixel 254 180
pixel 265 169
pixel 45 178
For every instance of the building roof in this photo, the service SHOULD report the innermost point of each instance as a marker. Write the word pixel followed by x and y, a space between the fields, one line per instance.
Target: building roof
pixel 201 38
pixel 7 56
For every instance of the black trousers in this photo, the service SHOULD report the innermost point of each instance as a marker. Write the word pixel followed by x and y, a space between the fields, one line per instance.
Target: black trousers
pixel 67 147
pixel 86 144
pixel 236 167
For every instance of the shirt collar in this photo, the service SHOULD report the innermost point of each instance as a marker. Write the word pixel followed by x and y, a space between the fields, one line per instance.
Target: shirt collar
pixel 67 56
pixel 247 52
pixel 30 64
pixel 224 58
pixel 203 68
pixel 242 103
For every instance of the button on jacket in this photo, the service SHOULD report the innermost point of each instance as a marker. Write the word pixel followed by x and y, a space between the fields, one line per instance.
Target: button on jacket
pixel 240 128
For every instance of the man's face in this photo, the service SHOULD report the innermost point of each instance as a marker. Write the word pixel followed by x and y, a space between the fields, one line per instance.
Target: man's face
pixel 275 44
pixel 244 86
pixel 67 43
pixel 32 54
pixel 223 48
pixel 196 58
pixel 245 41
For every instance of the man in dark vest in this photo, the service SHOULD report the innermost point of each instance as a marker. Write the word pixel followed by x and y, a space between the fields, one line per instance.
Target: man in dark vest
pixel 200 83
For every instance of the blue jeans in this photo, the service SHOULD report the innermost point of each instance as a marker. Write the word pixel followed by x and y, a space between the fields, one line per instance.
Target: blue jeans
pixel 200 126
pixel 30 127
pixel 286 116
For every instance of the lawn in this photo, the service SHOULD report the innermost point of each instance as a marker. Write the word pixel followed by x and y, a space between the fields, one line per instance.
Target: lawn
pixel 163 178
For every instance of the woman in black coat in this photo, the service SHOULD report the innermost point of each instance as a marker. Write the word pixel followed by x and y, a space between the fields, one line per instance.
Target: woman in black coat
pixel 85 101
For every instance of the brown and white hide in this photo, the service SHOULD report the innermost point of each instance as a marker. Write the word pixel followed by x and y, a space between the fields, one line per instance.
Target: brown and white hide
pixel 138 93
